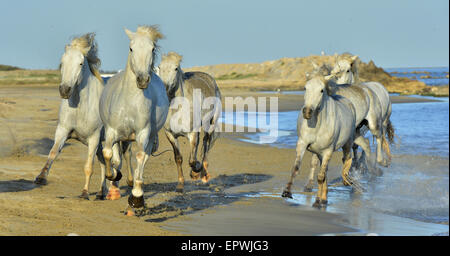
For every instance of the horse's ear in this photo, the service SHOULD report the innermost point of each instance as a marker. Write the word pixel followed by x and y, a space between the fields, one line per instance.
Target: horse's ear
pixel 354 58
pixel 315 66
pixel 129 33
pixel 307 75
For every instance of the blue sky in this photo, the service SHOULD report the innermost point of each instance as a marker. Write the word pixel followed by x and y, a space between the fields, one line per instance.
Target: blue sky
pixel 392 33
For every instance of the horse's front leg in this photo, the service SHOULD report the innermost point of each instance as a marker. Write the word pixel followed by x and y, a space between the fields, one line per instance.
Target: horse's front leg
pixel 61 135
pixel 136 198
pixel 93 142
pixel 315 163
pixel 110 140
pixel 178 159
pixel 196 166
pixel 114 191
pixel 301 148
pixel 322 192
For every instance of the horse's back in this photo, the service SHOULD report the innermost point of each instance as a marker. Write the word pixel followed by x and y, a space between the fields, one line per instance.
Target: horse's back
pixel 382 94
pixel 203 81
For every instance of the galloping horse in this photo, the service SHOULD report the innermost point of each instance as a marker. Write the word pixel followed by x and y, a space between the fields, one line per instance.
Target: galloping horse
pixel 346 72
pixel 180 84
pixel 134 107
pixel 327 123
pixel 79 118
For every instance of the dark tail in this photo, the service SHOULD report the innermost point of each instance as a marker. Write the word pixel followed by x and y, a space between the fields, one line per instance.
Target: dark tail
pixel 390 132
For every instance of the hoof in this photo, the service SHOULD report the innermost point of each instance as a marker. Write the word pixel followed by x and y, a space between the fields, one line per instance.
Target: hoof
pixel 307 189
pixel 195 175
pixel 179 188
pixel 383 163
pixel 136 202
pixel 84 195
pixel 320 203
pixel 117 178
pixel 40 181
pixel 99 197
pixel 130 183
pixel 113 194
pixel 286 194
pixel 206 178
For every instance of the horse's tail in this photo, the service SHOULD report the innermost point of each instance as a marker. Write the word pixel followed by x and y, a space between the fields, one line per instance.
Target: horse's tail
pixel 390 132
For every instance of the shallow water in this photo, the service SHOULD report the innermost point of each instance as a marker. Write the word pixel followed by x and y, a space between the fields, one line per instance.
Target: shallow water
pixel 415 186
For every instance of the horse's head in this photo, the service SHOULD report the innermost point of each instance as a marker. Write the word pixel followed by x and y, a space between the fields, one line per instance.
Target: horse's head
pixel 317 88
pixel 345 69
pixel 170 71
pixel 143 46
pixel 78 55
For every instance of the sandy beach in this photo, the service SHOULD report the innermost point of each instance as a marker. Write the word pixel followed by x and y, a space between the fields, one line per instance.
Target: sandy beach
pixel 230 204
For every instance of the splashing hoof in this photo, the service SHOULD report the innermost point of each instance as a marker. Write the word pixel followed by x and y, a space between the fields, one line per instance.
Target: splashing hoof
pixel 383 163
pixel 286 194
pixel 320 203
pixel 136 202
pixel 179 188
pixel 113 194
pixel 84 195
pixel 40 181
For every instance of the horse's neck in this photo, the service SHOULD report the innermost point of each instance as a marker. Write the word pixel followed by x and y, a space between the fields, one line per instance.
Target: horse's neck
pixel 179 87
pixel 82 90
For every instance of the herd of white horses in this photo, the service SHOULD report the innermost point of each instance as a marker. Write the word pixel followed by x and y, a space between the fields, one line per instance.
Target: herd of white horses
pixel 134 106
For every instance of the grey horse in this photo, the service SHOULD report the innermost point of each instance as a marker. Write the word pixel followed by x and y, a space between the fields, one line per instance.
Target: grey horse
pixel 184 85
pixel 79 118
pixel 346 72
pixel 134 107
pixel 326 123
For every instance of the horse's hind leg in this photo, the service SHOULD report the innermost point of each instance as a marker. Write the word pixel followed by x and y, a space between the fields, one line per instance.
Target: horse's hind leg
pixel 301 148
pixel 102 192
pixel 178 159
pixel 196 166
pixel 315 163
pixel 347 163
pixel 61 135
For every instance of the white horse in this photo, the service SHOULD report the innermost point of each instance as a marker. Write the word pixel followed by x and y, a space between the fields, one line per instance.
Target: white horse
pixel 327 123
pixel 180 84
pixel 346 72
pixel 79 118
pixel 134 107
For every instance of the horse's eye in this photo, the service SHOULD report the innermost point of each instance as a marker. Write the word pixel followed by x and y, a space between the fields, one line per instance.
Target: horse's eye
pixel 321 91
pixel 176 69
pixel 153 50
pixel 81 64
pixel 348 71
pixel 131 49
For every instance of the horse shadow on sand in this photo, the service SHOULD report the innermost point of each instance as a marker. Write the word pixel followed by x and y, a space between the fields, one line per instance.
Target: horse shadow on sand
pixel 197 196
pixel 16 185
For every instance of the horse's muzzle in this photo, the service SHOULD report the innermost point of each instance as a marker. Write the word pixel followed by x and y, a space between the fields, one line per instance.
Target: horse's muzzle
pixel 142 81
pixel 64 91
pixel 307 113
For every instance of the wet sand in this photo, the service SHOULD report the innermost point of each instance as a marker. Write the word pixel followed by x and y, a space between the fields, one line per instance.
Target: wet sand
pixel 28 117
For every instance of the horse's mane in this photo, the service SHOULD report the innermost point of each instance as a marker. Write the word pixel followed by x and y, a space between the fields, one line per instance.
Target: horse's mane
pixel 88 47
pixel 172 57
pixel 154 34
pixel 354 63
